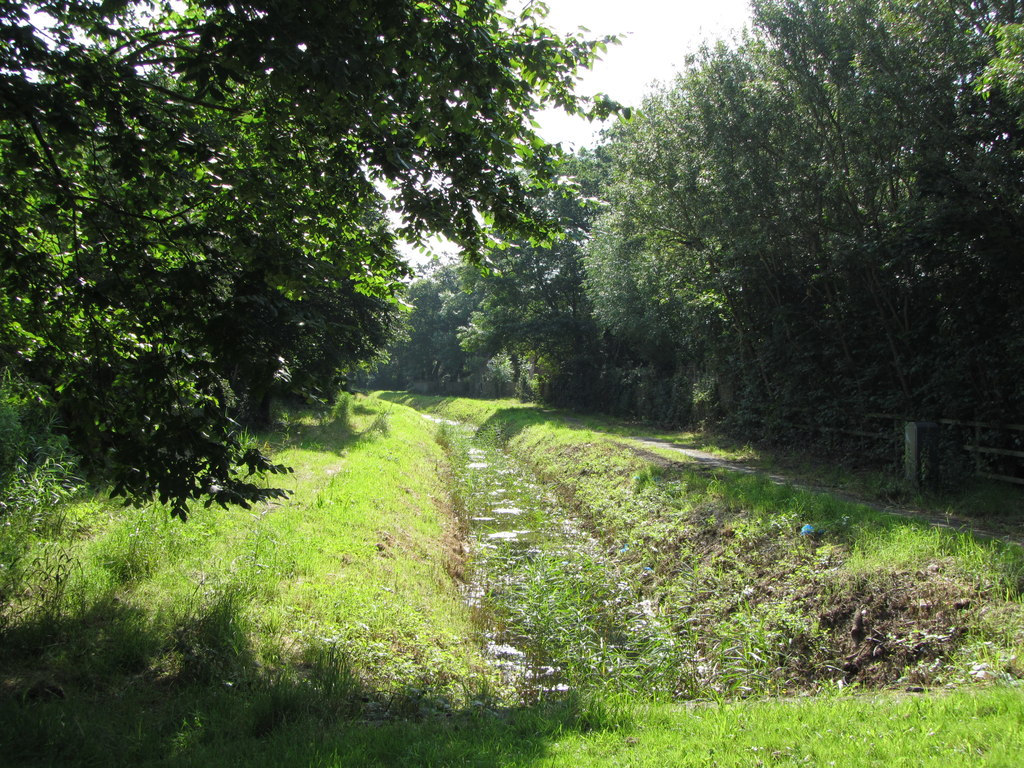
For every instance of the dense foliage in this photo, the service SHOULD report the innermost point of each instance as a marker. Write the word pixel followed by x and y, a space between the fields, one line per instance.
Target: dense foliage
pixel 192 217
pixel 840 205
pixel 522 326
pixel 821 222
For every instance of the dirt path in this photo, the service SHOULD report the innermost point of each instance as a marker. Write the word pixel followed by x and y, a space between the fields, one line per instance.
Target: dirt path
pixel 711 461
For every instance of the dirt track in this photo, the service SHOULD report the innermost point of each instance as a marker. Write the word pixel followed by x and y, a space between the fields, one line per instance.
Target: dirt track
pixel 711 461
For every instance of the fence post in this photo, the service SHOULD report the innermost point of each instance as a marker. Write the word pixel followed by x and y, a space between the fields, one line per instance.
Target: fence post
pixel 921 453
pixel 977 450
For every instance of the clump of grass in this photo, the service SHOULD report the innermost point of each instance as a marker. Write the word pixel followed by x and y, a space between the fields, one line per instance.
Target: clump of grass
pixel 381 424
pixel 37 478
pixel 341 411
pixel 576 614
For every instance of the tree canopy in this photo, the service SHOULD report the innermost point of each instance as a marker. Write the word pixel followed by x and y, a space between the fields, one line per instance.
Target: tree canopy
pixel 837 206
pixel 818 223
pixel 194 199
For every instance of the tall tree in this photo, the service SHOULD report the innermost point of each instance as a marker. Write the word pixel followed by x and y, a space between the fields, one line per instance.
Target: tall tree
pixel 190 197
pixel 428 352
pixel 832 209
pixel 533 307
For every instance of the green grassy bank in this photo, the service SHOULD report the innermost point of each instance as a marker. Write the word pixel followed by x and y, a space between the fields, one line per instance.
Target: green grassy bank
pixel 329 630
pixel 130 637
pixel 867 600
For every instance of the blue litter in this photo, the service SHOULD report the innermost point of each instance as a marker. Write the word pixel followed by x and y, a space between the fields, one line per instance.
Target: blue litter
pixel 648 568
pixel 807 530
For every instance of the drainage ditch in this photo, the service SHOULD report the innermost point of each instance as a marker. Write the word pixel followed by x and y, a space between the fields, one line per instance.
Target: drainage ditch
pixel 556 611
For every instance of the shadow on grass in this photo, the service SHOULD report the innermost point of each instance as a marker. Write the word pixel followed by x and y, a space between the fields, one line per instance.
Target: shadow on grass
pixel 273 727
pixel 505 423
pixel 320 430
pixel 419 402
pixel 108 686
pixel 111 682
pixel 258 717
pixel 47 653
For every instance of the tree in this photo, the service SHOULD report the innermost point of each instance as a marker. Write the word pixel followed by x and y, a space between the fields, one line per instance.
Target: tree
pixel 190 208
pixel 428 353
pixel 826 218
pixel 532 304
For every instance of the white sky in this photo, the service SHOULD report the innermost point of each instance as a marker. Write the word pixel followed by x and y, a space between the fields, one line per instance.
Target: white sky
pixel 657 35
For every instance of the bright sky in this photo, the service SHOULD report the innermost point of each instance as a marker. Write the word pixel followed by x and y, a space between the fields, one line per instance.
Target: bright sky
pixel 656 37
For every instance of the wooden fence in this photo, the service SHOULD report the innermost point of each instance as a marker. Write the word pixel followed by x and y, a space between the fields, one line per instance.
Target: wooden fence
pixel 983 433
pixel 995 450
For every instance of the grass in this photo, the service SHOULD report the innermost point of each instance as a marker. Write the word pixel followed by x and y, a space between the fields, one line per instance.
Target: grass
pixel 568 613
pixel 757 607
pixel 841 731
pixel 998 506
pixel 132 629
pixel 328 630
pixel 967 729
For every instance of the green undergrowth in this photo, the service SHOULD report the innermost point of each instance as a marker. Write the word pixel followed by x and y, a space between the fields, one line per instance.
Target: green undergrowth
pixel 329 630
pixel 128 636
pixel 772 590
pixel 994 505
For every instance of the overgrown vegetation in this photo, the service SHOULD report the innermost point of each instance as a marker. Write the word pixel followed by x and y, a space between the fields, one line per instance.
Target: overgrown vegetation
pixel 562 614
pixel 757 603
pixel 329 630
pixel 126 627
pixel 807 229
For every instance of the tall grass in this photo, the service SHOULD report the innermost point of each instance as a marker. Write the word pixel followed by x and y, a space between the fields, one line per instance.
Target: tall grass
pixel 758 603
pixel 128 628
pixel 36 479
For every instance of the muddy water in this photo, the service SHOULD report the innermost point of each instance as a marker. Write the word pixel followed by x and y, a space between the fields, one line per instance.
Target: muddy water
pixel 556 611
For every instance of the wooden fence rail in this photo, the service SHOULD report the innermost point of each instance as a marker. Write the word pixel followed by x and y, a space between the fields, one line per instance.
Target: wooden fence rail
pixel 979 450
pixel 978 442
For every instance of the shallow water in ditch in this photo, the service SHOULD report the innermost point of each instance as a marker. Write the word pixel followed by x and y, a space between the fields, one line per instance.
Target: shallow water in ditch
pixel 556 610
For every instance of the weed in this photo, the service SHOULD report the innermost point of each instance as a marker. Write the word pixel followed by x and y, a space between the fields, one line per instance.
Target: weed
pixel 133 550
pixel 330 669
pixel 381 425
pixel 341 410
pixel 50 573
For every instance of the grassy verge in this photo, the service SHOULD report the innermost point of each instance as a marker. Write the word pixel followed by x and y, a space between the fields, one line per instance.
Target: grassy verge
pixel 130 637
pixel 997 506
pixel 969 729
pixel 328 630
